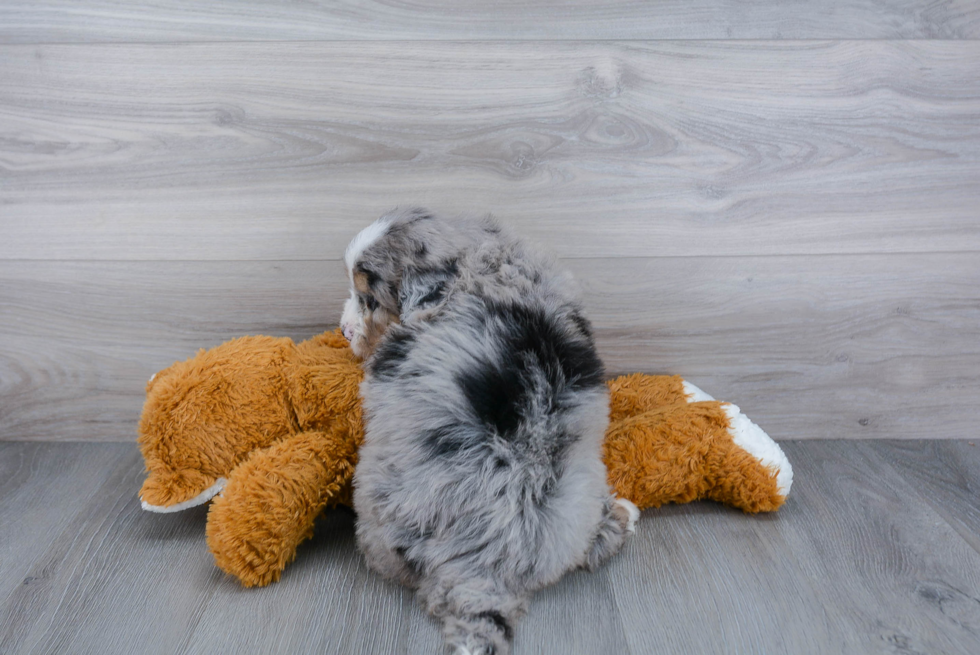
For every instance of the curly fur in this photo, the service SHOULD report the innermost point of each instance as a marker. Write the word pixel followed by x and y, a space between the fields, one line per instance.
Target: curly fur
pixel 480 478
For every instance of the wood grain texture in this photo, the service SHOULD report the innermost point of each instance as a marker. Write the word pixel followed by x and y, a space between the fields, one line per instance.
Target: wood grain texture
pixel 809 347
pixel 338 606
pixel 947 476
pixel 184 20
pixel 335 606
pixel 80 339
pixel 102 577
pixel 43 487
pixel 857 561
pixel 283 151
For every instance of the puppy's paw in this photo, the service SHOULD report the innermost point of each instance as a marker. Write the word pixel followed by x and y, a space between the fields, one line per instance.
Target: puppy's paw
pixel 633 514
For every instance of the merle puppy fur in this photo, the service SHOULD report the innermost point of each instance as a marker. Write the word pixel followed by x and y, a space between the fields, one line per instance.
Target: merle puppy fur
pixel 480 479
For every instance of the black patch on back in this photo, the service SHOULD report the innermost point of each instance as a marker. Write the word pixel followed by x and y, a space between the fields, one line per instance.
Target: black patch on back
pixel 391 353
pixel 497 396
pixel 443 441
pixel 534 344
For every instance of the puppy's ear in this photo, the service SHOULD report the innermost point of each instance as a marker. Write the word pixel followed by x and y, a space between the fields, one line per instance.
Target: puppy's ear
pixel 423 290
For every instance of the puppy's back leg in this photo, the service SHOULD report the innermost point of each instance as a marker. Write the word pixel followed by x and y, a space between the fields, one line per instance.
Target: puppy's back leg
pixel 618 520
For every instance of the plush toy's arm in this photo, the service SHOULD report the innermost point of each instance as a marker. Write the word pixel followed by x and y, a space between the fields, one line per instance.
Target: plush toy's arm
pixel 272 499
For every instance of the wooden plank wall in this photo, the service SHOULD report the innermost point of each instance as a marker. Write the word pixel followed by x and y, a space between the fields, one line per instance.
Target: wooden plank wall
pixel 779 201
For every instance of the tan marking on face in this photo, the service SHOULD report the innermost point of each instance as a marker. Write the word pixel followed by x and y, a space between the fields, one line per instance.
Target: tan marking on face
pixel 361 282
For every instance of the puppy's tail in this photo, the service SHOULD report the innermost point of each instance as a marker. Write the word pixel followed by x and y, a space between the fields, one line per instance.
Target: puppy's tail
pixel 484 633
pixel 478 612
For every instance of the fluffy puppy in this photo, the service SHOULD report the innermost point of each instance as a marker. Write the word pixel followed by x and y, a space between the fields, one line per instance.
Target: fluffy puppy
pixel 480 479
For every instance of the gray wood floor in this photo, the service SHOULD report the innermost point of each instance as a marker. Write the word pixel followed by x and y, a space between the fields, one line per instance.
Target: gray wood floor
pixel 877 551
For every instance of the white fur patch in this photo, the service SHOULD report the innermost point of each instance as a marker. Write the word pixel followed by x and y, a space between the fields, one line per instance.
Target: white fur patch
pixel 351 318
pixel 760 445
pixel 695 395
pixel 199 499
pixel 363 241
pixel 634 513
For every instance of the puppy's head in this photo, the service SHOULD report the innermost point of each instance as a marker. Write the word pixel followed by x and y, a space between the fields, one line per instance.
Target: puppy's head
pixel 399 269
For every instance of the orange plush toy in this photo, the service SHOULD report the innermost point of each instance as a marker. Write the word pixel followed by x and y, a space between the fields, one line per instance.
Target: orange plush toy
pixel 270 430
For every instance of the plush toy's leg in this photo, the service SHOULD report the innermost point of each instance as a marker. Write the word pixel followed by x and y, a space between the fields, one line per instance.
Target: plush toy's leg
pixel 749 437
pixel 696 450
pixel 634 394
pixel 272 499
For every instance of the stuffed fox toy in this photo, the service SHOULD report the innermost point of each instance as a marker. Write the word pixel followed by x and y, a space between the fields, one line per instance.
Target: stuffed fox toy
pixel 269 429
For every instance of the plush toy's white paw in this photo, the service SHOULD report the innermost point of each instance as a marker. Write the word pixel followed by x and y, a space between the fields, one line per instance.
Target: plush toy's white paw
pixel 760 445
pixel 633 511
pixel 199 499
pixel 695 395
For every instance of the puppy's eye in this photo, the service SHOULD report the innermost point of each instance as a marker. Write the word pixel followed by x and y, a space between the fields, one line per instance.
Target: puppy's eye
pixel 369 302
